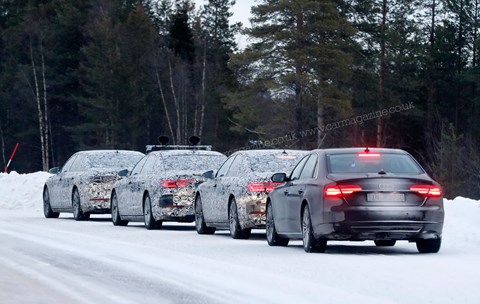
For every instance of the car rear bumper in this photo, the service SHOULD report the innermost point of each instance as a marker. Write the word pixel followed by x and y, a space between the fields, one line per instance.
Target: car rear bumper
pixel 377 223
pixel 251 211
pixel 171 208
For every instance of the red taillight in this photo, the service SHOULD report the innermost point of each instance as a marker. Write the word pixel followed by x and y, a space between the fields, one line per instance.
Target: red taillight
pixel 179 183
pixel 427 190
pixel 372 155
pixel 341 190
pixel 262 186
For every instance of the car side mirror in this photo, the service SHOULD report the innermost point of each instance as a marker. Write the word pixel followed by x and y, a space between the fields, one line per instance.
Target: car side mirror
pixel 123 172
pixel 208 174
pixel 54 170
pixel 280 178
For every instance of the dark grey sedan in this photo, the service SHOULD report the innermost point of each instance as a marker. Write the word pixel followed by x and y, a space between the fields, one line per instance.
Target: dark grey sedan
pixel 356 194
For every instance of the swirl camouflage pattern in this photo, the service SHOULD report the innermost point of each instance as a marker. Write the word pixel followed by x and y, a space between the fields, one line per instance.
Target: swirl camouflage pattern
pixel 83 185
pixel 161 187
pixel 235 198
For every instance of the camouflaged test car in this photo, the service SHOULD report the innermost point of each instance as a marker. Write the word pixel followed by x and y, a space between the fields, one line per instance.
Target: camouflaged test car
pixel 235 197
pixel 161 186
pixel 84 183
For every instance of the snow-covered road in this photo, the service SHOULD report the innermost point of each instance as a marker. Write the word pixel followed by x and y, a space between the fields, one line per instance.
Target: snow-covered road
pixel 63 261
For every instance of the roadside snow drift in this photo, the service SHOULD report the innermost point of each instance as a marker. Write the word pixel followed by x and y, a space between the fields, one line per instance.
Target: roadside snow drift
pixel 20 191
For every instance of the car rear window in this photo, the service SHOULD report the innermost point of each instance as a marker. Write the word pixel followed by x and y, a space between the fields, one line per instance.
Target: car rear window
pixel 374 163
pixel 194 162
pixel 109 160
pixel 275 162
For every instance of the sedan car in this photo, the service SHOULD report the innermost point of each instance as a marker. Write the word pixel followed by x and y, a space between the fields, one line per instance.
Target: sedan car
pixel 356 194
pixel 235 198
pixel 84 183
pixel 161 187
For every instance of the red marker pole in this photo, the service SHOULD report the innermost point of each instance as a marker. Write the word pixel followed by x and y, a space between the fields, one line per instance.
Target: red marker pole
pixel 11 157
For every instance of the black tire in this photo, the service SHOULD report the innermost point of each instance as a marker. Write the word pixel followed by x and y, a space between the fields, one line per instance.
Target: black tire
pixel 150 222
pixel 236 231
pixel 116 219
pixel 200 225
pixel 429 246
pixel 47 209
pixel 385 243
pixel 273 239
pixel 78 213
pixel 310 244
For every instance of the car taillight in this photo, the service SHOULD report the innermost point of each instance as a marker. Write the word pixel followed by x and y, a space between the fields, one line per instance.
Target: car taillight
pixel 427 190
pixel 262 186
pixel 341 190
pixel 179 183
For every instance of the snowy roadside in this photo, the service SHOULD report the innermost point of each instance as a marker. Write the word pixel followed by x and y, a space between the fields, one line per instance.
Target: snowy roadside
pixel 61 260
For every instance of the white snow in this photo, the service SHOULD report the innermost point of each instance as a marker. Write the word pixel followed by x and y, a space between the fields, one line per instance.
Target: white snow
pixel 60 260
pixel 20 191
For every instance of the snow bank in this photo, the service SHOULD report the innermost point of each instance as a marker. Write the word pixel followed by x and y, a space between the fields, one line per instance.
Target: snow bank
pixel 22 191
pixel 462 221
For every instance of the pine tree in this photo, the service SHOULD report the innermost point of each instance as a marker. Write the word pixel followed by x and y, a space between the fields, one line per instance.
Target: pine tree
pixel 300 53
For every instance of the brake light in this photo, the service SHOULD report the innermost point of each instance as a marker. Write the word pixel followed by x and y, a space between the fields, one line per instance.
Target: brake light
pixel 371 155
pixel 341 190
pixel 179 183
pixel 427 190
pixel 262 186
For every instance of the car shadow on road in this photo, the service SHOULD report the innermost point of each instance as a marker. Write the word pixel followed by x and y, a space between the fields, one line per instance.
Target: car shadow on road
pixel 366 249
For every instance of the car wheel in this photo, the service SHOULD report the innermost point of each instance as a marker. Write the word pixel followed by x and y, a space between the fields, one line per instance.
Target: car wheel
pixel 236 231
pixel 200 225
pixel 310 244
pixel 116 219
pixel 47 209
pixel 385 243
pixel 150 222
pixel 78 213
pixel 273 238
pixel 429 246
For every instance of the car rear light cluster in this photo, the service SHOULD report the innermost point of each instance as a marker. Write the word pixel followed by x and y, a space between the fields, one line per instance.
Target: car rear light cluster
pixel 427 190
pixel 262 186
pixel 176 183
pixel 341 190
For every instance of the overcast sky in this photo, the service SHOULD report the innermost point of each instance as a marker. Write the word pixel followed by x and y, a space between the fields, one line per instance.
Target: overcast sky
pixel 241 10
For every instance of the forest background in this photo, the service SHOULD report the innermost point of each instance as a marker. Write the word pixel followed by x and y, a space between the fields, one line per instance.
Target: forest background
pixel 111 74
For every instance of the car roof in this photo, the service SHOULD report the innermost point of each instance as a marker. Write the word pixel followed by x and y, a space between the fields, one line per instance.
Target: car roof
pixel 363 149
pixel 268 151
pixel 94 152
pixel 185 152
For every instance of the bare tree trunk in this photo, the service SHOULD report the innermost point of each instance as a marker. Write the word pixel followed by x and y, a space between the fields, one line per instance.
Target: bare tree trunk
pixel 320 123
pixel 41 122
pixel 299 84
pixel 176 104
pixel 202 97
pixel 381 82
pixel 431 88
pixel 3 145
pixel 45 108
pixel 475 36
pixel 164 102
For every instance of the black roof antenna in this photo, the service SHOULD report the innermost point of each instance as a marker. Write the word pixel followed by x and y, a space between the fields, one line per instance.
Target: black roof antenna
pixel 194 140
pixel 163 140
